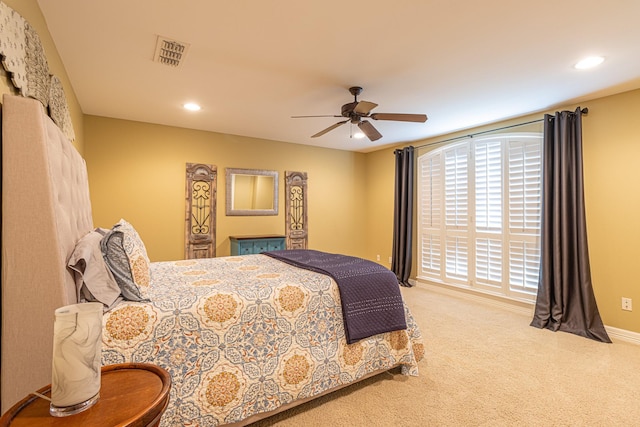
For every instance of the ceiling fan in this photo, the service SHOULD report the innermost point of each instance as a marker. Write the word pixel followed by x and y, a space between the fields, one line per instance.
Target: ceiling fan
pixel 356 111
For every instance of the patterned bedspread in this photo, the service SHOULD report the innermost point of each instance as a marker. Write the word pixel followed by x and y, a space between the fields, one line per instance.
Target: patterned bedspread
pixel 245 335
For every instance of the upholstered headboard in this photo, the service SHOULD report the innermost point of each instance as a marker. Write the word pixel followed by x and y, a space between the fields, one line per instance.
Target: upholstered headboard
pixel 45 210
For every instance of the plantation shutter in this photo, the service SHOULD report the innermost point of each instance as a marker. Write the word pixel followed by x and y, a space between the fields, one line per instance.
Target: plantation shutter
pixel 430 214
pixel 525 203
pixel 488 208
pixel 456 198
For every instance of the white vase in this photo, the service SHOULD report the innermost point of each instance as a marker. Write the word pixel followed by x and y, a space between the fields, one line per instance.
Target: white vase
pixel 77 344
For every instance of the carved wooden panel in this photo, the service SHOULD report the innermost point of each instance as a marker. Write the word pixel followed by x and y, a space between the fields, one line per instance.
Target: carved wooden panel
pixel 200 218
pixel 296 226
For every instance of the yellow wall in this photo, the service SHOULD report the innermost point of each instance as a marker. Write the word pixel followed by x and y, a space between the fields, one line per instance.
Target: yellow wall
pixel 611 138
pixel 30 11
pixel 137 172
pixel 380 178
pixel 611 147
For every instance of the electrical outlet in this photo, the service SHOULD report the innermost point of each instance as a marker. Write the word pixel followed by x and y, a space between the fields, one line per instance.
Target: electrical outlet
pixel 626 304
pixel 390 260
pixel 377 257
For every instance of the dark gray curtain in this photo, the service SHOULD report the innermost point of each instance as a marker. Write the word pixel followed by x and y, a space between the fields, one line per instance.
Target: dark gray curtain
pixel 403 215
pixel 565 299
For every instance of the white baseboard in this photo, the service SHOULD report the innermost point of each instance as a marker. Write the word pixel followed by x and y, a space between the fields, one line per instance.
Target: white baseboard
pixel 623 335
pixel 517 307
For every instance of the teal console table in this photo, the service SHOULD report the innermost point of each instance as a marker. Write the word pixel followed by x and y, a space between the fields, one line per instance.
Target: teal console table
pixel 246 245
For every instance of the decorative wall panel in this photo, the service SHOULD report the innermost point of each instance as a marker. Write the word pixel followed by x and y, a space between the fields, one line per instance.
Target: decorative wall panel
pixel 200 219
pixel 25 62
pixel 296 225
pixel 13 46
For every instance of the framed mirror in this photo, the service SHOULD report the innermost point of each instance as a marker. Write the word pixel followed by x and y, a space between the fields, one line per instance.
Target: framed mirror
pixel 251 192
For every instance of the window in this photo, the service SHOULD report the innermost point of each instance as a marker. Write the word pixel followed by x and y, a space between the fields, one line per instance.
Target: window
pixel 479 206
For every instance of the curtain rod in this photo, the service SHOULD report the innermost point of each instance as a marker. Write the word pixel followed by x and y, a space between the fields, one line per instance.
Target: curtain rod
pixel 471 135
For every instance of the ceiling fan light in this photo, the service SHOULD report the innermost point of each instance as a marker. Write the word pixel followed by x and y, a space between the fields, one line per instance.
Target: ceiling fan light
pixel 358 135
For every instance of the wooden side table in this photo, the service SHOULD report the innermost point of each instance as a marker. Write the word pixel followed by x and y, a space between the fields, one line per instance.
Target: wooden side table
pixel 131 394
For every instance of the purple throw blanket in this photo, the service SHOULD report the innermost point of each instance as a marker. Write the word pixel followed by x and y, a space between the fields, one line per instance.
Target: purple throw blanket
pixel 370 294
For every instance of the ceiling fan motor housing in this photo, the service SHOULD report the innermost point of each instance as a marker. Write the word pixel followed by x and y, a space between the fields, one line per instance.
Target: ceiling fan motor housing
pixel 347 110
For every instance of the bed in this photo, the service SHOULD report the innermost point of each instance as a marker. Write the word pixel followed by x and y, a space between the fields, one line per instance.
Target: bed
pixel 243 337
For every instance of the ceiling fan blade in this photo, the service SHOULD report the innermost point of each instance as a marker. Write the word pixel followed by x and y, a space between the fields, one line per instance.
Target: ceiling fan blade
pixel 368 129
pixel 421 118
pixel 363 107
pixel 304 117
pixel 329 129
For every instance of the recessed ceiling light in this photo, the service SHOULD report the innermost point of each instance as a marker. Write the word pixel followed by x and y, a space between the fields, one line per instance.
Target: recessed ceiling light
pixel 191 106
pixel 590 62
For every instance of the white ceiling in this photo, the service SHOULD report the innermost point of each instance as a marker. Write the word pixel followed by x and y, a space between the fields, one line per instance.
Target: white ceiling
pixel 252 64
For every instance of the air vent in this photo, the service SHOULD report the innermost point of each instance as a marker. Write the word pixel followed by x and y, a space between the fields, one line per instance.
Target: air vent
pixel 170 52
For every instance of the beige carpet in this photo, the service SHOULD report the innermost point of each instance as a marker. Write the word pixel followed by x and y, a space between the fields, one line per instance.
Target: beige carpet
pixel 485 366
